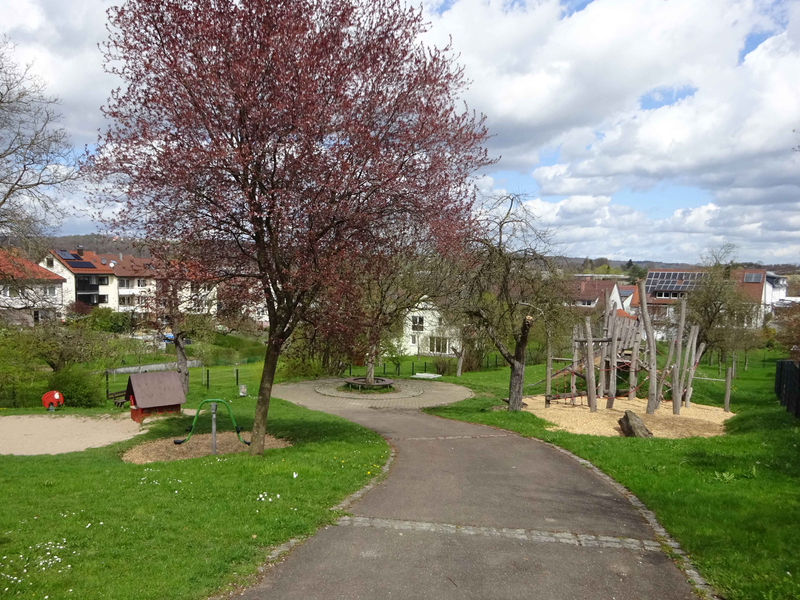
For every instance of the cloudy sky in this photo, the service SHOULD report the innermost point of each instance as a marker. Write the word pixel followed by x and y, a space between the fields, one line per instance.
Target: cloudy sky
pixel 644 129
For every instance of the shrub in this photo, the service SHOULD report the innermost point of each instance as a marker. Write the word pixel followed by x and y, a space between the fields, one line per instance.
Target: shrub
pixel 79 387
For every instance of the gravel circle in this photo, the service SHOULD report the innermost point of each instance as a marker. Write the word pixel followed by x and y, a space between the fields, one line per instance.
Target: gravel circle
pixel 404 390
pixel 199 445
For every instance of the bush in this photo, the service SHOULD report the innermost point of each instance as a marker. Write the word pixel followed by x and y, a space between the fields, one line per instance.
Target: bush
pixel 79 387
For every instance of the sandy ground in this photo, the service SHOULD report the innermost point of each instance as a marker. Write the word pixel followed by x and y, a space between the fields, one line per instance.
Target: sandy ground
pixel 198 445
pixel 54 434
pixel 696 421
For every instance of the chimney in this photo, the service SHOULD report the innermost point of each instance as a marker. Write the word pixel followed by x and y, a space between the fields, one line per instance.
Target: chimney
pixel 120 257
pixel 80 250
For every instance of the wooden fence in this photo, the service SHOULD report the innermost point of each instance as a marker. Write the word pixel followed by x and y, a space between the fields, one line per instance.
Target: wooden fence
pixel 787 385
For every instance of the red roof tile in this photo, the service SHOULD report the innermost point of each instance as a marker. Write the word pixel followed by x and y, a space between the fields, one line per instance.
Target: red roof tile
pixel 97 268
pixel 19 269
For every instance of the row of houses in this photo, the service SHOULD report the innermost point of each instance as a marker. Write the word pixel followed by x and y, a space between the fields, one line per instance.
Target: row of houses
pixel 31 292
pixel 426 333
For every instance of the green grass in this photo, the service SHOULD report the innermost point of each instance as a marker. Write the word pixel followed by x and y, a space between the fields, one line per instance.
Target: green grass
pixel 182 529
pixel 732 502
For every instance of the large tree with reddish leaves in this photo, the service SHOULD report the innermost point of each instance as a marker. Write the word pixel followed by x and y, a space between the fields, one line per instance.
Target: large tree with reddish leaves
pixel 281 139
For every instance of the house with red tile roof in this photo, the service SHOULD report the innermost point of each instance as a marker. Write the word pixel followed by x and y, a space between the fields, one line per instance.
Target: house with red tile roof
pixel 28 293
pixel 136 280
pixel 88 277
pixel 588 293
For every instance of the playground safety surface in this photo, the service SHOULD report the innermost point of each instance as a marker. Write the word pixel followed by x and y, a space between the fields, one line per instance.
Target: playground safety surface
pixel 198 445
pixel 57 434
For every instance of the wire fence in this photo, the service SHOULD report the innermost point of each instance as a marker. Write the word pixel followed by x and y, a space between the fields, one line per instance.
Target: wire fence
pixel 787 385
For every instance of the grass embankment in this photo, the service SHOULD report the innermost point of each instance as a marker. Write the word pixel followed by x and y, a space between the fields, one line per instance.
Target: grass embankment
pixel 87 525
pixel 733 502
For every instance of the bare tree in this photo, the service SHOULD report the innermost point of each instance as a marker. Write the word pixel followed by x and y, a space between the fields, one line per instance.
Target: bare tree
pixel 36 158
pixel 513 283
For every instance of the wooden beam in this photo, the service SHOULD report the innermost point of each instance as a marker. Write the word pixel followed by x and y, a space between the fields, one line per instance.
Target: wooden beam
pixel 590 389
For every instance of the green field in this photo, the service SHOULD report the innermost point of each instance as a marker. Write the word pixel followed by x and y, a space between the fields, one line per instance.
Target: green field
pixel 87 525
pixel 733 502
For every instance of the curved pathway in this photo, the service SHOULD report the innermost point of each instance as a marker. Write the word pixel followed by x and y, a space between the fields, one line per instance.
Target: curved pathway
pixel 468 511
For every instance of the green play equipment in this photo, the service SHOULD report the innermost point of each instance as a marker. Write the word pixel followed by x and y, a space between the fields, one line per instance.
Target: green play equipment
pixel 213 403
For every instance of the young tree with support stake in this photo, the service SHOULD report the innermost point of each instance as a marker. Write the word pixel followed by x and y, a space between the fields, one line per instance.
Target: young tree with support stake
pixel 281 139
pixel 512 283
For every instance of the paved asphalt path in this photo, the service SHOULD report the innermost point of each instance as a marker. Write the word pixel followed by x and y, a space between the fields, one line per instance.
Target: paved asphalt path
pixel 468 511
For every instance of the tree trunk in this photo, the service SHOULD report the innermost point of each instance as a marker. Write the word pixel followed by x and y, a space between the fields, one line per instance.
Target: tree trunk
pixel 548 370
pixel 460 363
pixel 676 398
pixel 695 362
pixel 371 354
pixel 180 359
pixel 746 361
pixel 264 393
pixel 572 377
pixel 727 401
pixel 515 384
pixel 678 384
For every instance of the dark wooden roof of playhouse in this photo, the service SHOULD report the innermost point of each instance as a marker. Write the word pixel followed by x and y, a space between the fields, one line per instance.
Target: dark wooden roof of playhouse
pixel 155 389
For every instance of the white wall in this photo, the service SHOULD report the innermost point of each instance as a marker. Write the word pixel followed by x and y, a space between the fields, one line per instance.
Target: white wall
pixel 418 342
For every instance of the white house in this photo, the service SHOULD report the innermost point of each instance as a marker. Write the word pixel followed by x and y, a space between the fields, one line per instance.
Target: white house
pixel 88 277
pixel 425 332
pixel 28 292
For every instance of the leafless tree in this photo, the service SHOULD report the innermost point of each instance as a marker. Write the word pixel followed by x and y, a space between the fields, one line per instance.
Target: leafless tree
pixel 36 158
pixel 513 283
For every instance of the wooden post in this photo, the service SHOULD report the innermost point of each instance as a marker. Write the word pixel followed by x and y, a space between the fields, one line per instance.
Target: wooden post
pixel 676 394
pixel 665 372
pixel 572 378
pixel 634 380
pixel 677 385
pixel 688 351
pixel 695 363
pixel 652 371
pixel 548 370
pixel 612 356
pixel 728 373
pixel 590 389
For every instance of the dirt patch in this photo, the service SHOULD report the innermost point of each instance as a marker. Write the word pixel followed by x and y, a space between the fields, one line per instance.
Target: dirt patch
pixel 696 421
pixel 55 434
pixel 199 445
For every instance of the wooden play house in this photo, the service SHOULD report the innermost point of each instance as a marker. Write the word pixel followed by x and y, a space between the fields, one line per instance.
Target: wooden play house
pixel 154 393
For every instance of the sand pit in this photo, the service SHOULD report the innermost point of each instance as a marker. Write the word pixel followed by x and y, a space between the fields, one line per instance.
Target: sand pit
pixel 696 421
pixel 199 445
pixel 54 434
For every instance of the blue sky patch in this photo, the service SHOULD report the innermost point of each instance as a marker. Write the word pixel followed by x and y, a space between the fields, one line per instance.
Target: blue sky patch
pixel 665 96
pixel 751 42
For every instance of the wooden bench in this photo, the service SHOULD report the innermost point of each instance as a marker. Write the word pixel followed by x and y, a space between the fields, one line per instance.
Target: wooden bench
pixel 118 398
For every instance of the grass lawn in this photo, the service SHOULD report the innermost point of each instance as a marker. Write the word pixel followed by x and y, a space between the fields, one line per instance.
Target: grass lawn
pixel 733 502
pixel 87 525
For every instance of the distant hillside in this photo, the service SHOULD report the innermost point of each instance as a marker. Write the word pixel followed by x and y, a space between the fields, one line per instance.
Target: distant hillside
pixel 98 243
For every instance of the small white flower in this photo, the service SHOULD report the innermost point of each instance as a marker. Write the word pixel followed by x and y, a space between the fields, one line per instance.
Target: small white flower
pixel 89 525
pixel 278 495
pixel 294 475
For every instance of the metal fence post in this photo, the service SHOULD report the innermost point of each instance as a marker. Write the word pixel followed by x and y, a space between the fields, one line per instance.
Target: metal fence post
pixel 213 427
pixel 237 377
pixel 208 378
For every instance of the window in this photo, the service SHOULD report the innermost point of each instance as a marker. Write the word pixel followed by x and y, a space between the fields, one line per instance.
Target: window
pixel 124 284
pixel 438 345
pixel 13 292
pixel 102 280
pixel 141 283
pixel 49 262
pixel 674 294
pixel 51 290
pixel 37 316
pixel 126 300
pixel 441 321
pixel 417 324
pixel 413 340
pixel 102 299
pixel 140 300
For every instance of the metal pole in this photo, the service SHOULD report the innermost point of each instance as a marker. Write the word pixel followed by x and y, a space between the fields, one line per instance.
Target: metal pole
pixel 208 378
pixel 426 366
pixel 213 427
pixel 727 401
pixel 351 370
pixel 106 385
pixel 412 367
pixel 237 377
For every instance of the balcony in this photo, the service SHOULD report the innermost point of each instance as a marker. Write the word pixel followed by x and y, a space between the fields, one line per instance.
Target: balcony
pixel 88 288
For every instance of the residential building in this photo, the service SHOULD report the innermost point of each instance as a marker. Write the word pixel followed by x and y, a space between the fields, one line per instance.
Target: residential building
pixel 587 293
pixel 29 293
pixel 136 280
pixel 426 333
pixel 626 293
pixel 89 279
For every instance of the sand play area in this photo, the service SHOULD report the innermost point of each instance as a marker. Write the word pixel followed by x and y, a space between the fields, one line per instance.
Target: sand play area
pixel 54 434
pixel 696 421
pixel 198 445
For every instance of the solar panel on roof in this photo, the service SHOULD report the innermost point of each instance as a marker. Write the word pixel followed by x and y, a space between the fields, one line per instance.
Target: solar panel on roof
pixel 81 264
pixel 752 277
pixel 65 255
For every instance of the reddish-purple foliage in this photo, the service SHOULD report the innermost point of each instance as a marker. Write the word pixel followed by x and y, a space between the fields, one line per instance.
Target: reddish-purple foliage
pixel 279 140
